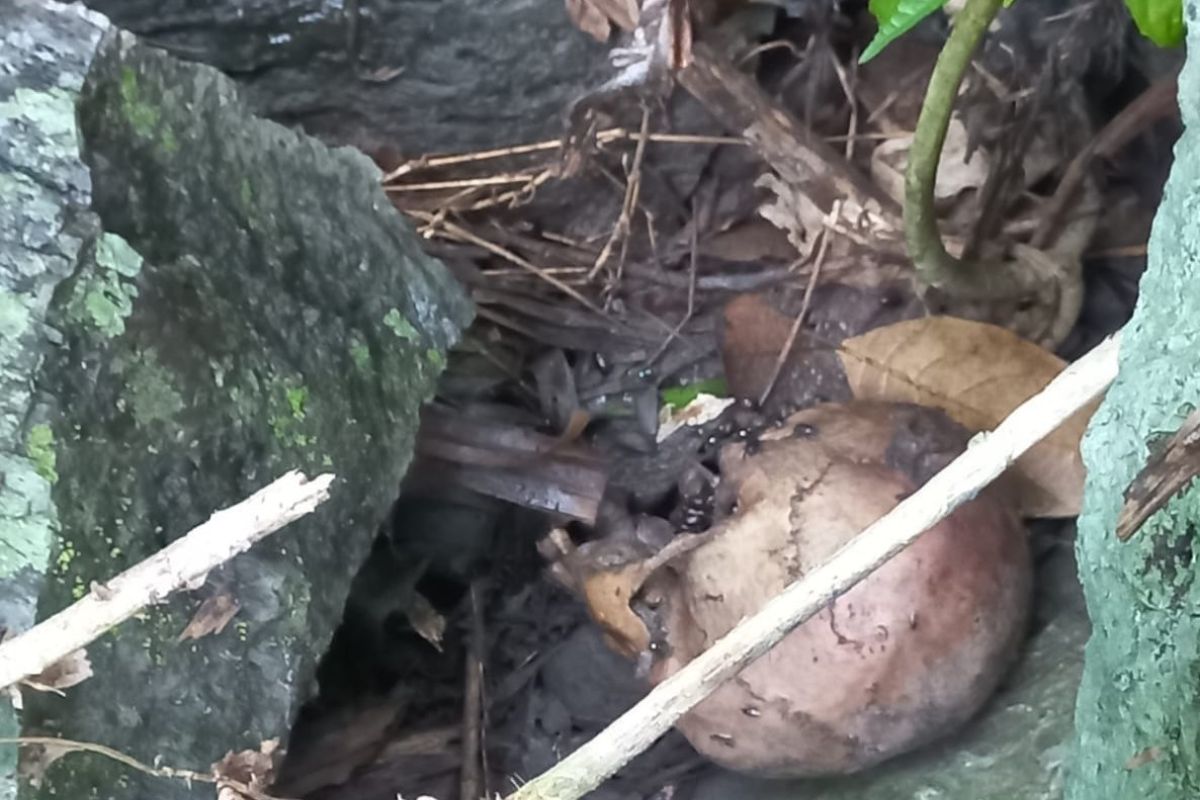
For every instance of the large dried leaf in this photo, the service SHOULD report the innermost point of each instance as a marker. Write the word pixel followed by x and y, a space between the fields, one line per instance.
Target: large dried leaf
pixel 977 373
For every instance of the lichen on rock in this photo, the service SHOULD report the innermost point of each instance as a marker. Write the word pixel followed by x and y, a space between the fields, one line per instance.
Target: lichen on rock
pixel 230 325
pixel 44 52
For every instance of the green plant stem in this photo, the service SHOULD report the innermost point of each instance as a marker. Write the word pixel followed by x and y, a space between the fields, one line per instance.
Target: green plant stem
pixel 934 265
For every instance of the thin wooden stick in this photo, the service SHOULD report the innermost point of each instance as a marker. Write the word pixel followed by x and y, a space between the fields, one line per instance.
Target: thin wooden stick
pixel 73 746
pixel 602 137
pixel 508 255
pixel 179 565
pixel 786 351
pixel 987 456
pixel 691 297
pixel 633 185
pixel 470 781
pixel 459 183
pixel 1148 108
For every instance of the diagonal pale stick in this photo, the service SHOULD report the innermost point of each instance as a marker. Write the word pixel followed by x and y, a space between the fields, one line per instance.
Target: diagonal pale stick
pixel 987 456
pixel 177 566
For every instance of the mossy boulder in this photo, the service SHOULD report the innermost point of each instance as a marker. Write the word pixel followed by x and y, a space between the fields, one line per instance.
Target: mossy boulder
pixel 255 305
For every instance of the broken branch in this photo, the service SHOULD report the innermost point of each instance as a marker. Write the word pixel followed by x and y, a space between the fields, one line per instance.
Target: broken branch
pixel 803 160
pixel 179 565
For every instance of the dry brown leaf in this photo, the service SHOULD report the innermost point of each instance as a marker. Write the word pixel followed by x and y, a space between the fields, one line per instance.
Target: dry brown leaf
pixel 425 619
pixel 956 171
pixel 977 373
pixel 253 768
pixel 589 19
pixel 752 334
pixel 608 594
pixel 623 13
pixel 792 211
pixel 71 669
pixel 211 617
pixel 596 18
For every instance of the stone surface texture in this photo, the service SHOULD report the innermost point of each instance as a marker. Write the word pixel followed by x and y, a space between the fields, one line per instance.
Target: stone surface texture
pixel 255 305
pixel 1138 734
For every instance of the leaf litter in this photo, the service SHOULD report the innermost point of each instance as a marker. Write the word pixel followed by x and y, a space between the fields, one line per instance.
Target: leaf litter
pixel 731 232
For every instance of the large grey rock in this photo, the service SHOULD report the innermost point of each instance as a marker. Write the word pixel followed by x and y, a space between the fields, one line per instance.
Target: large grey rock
pixel 1138 732
pixel 257 306
pixel 415 76
pixel 44 189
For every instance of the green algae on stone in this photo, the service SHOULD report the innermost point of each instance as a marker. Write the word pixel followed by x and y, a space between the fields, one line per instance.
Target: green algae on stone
pixel 360 354
pixel 151 391
pixel 39 446
pixel 288 419
pixel 246 193
pixel 297 397
pixel 400 326
pixel 143 116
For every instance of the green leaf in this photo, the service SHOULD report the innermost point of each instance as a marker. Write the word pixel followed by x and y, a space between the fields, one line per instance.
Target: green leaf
pixel 1160 21
pixel 897 17
pixel 679 396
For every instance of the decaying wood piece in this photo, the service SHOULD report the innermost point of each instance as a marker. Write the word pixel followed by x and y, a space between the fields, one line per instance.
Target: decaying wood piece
pixel 806 163
pixel 510 463
pixel 987 457
pixel 183 564
pixel 331 751
pixel 797 153
pixel 1167 472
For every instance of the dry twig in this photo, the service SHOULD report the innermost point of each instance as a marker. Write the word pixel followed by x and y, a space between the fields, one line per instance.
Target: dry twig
pixel 691 300
pixel 790 342
pixel 1150 106
pixel 174 773
pixel 467 236
pixel 633 185
pixel 179 565
pixel 603 137
pixel 470 783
